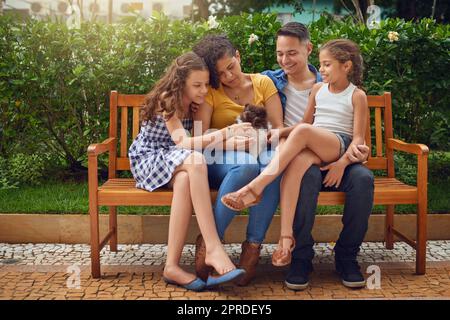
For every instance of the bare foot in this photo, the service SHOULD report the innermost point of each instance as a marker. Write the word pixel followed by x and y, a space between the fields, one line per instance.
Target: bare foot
pixel 219 260
pixel 177 274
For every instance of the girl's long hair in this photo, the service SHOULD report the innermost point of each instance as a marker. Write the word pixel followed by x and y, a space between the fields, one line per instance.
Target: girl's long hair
pixel 166 97
pixel 345 50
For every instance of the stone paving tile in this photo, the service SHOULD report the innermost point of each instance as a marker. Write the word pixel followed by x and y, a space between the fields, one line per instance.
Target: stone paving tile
pixel 269 284
pixel 59 271
pixel 155 254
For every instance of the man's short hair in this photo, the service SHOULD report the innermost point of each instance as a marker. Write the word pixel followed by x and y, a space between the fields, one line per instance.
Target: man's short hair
pixel 294 29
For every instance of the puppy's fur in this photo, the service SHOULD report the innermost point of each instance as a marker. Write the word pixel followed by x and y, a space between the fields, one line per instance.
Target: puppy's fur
pixel 257 116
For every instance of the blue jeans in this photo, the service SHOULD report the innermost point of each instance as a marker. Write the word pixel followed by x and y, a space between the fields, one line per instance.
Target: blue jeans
pixel 233 171
pixel 358 185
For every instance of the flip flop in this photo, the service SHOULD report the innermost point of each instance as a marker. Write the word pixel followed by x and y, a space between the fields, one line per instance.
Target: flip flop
pixel 213 281
pixel 195 285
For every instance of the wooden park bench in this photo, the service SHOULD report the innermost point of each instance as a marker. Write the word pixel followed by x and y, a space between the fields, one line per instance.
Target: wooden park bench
pixel 122 192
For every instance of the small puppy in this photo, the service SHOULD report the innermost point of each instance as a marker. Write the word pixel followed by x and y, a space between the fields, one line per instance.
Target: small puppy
pixel 257 116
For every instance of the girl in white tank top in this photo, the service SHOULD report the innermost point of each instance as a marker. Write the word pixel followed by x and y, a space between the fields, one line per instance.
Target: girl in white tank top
pixel 335 119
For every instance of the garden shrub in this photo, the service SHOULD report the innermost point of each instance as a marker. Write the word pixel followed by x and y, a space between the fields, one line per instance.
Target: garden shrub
pixel 21 169
pixel 55 81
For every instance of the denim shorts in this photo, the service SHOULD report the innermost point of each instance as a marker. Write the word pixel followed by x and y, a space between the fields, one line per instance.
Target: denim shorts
pixel 345 141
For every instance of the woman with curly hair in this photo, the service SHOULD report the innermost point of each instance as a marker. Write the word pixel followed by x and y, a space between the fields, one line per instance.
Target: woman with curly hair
pixel 231 89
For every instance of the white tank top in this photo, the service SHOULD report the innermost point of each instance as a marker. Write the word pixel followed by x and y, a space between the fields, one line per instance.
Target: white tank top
pixel 334 111
pixel 296 102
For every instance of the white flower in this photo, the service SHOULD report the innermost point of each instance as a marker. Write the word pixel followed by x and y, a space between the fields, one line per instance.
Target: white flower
pixel 212 23
pixel 393 36
pixel 253 37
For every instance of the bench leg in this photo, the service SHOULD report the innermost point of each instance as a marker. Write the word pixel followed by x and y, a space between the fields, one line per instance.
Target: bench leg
pixel 389 224
pixel 95 245
pixel 421 242
pixel 113 227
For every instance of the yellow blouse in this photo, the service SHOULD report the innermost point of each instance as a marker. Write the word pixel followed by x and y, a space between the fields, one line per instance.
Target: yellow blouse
pixel 225 110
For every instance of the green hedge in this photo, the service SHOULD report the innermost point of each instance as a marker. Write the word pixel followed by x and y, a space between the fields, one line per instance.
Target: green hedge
pixel 54 81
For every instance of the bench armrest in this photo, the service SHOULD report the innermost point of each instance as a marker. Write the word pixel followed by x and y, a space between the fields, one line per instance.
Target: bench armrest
pixel 414 148
pixel 99 148
pixel 421 151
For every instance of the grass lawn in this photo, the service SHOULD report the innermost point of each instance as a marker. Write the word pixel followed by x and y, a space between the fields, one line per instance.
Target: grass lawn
pixel 65 198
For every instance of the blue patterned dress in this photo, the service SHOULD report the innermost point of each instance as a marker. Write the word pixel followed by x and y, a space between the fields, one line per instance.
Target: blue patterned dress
pixel 154 156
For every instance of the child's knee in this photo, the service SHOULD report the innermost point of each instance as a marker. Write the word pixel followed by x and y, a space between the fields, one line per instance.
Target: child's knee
pixel 181 180
pixel 302 129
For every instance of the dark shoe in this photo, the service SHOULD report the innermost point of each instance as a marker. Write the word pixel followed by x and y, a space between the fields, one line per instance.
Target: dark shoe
pixel 298 275
pixel 349 271
pixel 248 261
pixel 201 268
pixel 195 285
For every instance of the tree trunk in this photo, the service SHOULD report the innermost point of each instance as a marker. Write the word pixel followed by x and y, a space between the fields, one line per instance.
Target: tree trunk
pixel 202 8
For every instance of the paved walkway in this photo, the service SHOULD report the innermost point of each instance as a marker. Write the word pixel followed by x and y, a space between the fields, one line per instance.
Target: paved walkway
pixel 59 271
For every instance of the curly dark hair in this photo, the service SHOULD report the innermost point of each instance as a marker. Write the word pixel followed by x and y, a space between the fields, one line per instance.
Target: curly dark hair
pixel 213 48
pixel 256 115
pixel 167 95
pixel 346 50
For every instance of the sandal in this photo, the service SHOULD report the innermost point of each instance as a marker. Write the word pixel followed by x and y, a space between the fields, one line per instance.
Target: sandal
pixel 279 258
pixel 235 203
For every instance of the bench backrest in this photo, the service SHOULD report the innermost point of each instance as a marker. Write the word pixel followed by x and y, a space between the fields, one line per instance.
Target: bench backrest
pixel 125 126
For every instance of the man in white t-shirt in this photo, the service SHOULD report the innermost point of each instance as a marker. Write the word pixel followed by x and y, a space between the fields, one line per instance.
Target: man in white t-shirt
pixel 294 82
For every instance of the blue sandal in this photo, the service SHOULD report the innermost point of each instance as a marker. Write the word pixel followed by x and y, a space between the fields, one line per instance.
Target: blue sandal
pixel 195 285
pixel 213 281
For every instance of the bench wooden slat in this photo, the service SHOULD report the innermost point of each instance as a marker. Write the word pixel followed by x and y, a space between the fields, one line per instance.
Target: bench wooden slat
pixel 131 100
pixel 124 132
pixel 378 138
pixel 123 192
pixel 135 121
pixel 376 101
pixel 368 137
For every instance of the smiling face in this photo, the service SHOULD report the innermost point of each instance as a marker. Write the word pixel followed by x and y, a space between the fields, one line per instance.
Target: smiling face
pixel 196 86
pixel 229 70
pixel 292 54
pixel 331 69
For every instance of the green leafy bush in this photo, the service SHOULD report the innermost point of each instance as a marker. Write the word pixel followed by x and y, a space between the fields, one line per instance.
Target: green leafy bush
pixel 55 81
pixel 21 169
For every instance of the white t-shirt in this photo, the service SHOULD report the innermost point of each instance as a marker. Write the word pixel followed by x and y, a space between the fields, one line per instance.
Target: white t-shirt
pixel 296 102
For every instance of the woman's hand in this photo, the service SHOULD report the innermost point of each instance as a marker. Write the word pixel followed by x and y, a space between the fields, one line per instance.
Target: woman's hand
pixel 244 129
pixel 335 173
pixel 275 136
pixel 239 143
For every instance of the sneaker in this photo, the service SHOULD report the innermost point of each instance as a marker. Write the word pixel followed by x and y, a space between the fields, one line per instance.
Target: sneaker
pixel 349 271
pixel 298 275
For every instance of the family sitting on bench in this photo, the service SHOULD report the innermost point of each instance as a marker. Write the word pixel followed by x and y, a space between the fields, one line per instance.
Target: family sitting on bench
pixel 314 129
